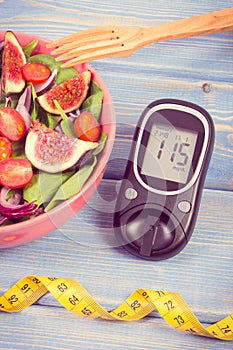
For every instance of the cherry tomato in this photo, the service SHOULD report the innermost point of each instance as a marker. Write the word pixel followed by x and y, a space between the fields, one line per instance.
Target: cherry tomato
pixel 5 148
pixel 15 172
pixel 87 127
pixel 35 72
pixel 12 124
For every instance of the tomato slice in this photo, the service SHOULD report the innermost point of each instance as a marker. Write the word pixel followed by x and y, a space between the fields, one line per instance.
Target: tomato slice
pixel 15 172
pixel 6 148
pixel 12 124
pixel 87 127
pixel 35 72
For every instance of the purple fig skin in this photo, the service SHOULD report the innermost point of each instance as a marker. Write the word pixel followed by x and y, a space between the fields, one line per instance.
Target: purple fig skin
pixel 69 94
pixel 13 61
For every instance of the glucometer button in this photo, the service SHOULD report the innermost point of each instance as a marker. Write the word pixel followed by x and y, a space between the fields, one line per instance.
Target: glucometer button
pixel 130 193
pixel 184 206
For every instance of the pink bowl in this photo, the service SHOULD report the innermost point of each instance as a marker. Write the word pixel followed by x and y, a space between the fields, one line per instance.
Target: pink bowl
pixel 31 229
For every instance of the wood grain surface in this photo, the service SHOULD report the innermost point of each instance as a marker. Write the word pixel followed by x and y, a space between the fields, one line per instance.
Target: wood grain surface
pixel 199 70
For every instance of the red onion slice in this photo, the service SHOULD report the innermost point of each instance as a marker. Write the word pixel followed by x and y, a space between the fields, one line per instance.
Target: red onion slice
pixel 24 104
pixel 40 88
pixel 12 202
pixel 11 209
pixel 26 98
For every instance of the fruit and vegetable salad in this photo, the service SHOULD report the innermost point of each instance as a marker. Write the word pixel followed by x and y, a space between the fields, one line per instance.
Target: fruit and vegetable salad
pixel 50 130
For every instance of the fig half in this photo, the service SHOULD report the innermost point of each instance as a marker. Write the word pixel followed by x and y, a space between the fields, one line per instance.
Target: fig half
pixel 13 60
pixel 70 94
pixel 52 151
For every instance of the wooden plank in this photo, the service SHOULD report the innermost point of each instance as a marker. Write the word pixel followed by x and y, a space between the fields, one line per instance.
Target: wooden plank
pixel 195 69
pixel 202 273
pixel 208 56
pixel 71 14
pixel 51 328
pixel 85 249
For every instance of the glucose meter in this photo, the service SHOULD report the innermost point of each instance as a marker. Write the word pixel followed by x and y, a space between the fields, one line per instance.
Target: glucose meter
pixel 159 196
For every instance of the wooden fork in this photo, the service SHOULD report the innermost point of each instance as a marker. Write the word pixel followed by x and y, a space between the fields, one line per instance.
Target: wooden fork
pixel 109 41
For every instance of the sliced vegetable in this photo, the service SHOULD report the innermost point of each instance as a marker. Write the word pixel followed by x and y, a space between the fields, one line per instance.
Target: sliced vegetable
pixel 42 87
pixel 12 61
pixel 8 101
pixel 23 106
pixel 52 151
pixel 10 198
pixel 87 127
pixel 6 148
pixel 47 60
pixel 12 124
pixel 15 172
pixel 26 98
pixel 35 73
pixel 26 210
pixel 70 94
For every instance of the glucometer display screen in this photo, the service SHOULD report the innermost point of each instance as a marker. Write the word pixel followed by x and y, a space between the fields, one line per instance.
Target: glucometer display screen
pixel 169 152
pixel 168 149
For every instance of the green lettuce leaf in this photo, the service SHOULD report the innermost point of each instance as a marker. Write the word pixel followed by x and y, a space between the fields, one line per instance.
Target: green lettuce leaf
pixel 65 73
pixel 72 186
pixel 66 124
pixel 43 187
pixel 93 103
pixel 28 49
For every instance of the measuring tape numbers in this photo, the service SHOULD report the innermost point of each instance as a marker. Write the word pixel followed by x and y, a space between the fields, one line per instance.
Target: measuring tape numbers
pixel 139 304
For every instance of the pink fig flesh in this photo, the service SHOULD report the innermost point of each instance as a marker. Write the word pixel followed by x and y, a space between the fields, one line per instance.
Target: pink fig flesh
pixel 13 61
pixel 52 151
pixel 70 94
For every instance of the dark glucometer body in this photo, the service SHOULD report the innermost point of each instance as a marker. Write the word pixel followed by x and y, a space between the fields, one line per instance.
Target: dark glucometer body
pixel 160 193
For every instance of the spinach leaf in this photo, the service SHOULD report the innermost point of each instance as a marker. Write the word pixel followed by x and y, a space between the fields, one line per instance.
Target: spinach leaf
pixel 65 73
pixel 18 149
pixel 72 186
pixel 102 141
pixel 62 74
pixel 35 108
pixel 29 48
pixel 32 192
pixel 43 186
pixel 93 103
pixel 66 124
pixel 47 60
pixel 50 120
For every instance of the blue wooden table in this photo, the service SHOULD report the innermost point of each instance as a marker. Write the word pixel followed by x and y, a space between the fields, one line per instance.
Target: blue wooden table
pixel 199 70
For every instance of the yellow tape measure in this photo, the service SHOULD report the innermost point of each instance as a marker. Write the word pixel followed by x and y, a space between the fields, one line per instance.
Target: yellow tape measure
pixel 142 302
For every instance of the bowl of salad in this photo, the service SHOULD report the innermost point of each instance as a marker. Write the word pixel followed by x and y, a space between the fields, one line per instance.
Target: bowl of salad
pixel 57 128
